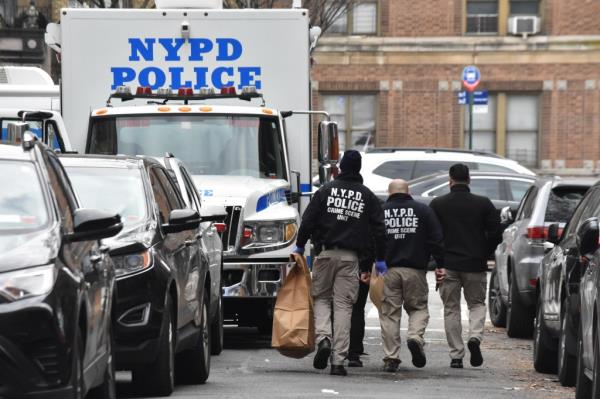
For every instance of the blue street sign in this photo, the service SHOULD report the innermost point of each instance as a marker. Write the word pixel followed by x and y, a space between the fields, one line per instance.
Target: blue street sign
pixel 480 97
pixel 471 77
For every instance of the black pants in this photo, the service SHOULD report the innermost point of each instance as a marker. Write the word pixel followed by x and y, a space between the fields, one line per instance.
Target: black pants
pixel 357 329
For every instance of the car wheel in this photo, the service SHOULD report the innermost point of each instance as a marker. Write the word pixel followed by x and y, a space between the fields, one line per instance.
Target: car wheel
pixel 497 308
pixel 519 319
pixel 77 374
pixel 567 363
pixel 193 365
pixel 216 330
pixel 544 358
pixel 583 384
pixel 158 379
pixel 108 389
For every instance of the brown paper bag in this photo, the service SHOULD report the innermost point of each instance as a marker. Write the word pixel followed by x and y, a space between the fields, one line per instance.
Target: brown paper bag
pixel 293 319
pixel 376 289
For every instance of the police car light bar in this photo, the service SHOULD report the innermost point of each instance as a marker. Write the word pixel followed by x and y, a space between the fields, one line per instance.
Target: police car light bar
pixel 186 94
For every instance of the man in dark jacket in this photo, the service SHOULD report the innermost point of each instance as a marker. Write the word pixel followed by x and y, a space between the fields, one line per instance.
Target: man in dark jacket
pixel 340 215
pixel 413 235
pixel 471 229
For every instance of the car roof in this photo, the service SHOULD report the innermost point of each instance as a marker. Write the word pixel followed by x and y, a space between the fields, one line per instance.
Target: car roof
pixel 558 181
pixel 14 152
pixel 432 150
pixel 107 161
pixel 435 176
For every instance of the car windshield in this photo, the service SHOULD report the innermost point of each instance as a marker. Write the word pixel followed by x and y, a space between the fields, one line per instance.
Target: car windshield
pixel 22 204
pixel 208 144
pixel 562 203
pixel 118 190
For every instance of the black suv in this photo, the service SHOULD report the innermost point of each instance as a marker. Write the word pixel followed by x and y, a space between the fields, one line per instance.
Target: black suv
pixel 558 304
pixel 162 270
pixel 56 282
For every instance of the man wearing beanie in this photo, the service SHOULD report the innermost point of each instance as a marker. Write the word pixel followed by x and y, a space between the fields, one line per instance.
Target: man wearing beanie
pixel 471 229
pixel 340 217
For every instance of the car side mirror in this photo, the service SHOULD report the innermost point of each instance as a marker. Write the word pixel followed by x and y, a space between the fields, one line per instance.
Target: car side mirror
pixel 506 215
pixel 587 237
pixel 94 224
pixel 182 220
pixel 213 213
pixel 554 233
pixel 328 142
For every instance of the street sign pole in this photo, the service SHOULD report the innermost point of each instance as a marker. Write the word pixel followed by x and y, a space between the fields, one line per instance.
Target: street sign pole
pixel 471 95
pixel 471 78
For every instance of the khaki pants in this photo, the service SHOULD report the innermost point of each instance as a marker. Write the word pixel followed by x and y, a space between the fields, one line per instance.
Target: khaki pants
pixel 335 276
pixel 474 287
pixel 408 287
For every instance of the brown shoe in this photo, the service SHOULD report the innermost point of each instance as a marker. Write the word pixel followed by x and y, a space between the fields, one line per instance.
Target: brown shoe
pixel 391 365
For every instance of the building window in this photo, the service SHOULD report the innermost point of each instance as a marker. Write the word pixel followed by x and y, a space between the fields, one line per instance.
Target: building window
pixel 522 119
pixel 524 7
pixel 484 126
pixel 356 116
pixel 360 20
pixel 482 16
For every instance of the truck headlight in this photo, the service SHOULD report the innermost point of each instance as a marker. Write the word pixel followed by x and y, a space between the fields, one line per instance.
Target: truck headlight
pixel 133 263
pixel 268 234
pixel 27 283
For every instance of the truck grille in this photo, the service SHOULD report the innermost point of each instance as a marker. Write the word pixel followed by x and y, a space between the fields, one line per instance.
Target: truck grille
pixel 230 236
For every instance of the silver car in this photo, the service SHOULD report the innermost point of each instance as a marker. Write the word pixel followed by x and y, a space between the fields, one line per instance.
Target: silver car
pixel 512 291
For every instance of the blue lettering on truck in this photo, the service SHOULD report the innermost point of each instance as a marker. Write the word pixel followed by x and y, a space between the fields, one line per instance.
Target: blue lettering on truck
pixel 225 50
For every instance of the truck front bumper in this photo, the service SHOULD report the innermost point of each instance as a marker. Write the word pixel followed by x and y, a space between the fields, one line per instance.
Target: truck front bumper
pixel 254 278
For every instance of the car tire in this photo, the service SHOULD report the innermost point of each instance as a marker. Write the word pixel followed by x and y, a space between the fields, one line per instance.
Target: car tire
pixel 567 363
pixel 77 382
pixel 497 308
pixel 519 319
pixel 193 365
pixel 583 385
pixel 158 378
pixel 108 389
pixel 216 330
pixel 544 358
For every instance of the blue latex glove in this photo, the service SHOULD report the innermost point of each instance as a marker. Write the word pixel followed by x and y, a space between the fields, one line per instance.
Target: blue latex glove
pixel 381 267
pixel 298 250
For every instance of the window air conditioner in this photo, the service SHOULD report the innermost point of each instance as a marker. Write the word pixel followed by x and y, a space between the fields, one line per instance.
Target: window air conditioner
pixel 524 25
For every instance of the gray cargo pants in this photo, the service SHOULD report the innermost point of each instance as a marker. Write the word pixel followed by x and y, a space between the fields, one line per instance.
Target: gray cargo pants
pixel 474 287
pixel 335 276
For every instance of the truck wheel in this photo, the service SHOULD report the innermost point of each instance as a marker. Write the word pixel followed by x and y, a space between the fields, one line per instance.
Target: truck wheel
pixel 497 308
pixel 519 319
pixel 158 378
pixel 567 363
pixel 216 330
pixel 108 389
pixel 583 384
pixel 544 357
pixel 193 365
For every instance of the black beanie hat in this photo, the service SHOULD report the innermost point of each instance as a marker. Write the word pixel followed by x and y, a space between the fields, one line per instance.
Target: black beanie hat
pixel 351 162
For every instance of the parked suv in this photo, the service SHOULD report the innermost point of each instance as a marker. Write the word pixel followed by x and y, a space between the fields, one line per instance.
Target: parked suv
pixel 213 217
pixel 381 165
pixel 512 292
pixel 163 282
pixel 557 316
pixel 56 282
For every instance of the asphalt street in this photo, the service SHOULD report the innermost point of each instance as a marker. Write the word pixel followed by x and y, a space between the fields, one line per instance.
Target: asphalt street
pixel 248 368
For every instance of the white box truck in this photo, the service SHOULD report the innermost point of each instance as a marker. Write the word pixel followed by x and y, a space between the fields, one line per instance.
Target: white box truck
pixel 187 73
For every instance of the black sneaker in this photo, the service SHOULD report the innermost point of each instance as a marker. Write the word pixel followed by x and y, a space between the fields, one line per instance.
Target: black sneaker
pixel 338 370
pixel 418 355
pixel 456 364
pixel 476 358
pixel 391 365
pixel 355 362
pixel 323 353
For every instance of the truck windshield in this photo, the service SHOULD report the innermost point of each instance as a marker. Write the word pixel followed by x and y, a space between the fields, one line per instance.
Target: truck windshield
pixel 208 144
pixel 22 204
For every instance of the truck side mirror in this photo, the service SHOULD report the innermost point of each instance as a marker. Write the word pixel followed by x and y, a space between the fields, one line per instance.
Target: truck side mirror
pixel 328 142
pixel 587 237
pixel 325 173
pixel 15 132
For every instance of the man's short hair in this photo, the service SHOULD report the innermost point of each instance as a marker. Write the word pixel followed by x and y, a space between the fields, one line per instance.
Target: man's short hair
pixel 460 173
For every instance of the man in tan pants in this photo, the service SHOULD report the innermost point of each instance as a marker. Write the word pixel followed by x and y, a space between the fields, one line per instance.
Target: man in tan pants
pixel 413 235
pixel 339 217
pixel 471 229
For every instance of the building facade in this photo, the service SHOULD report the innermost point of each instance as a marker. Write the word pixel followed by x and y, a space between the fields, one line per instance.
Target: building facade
pixel 389 72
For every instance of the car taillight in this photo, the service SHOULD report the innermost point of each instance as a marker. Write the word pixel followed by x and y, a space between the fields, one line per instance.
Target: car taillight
pixel 537 233
pixel 221 227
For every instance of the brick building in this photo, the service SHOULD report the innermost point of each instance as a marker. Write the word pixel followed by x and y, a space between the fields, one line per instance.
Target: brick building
pixel 389 72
